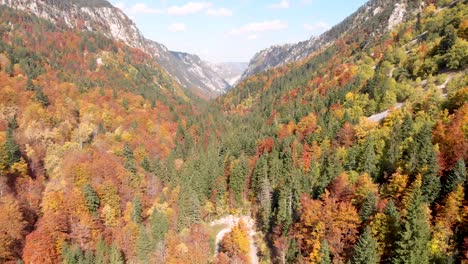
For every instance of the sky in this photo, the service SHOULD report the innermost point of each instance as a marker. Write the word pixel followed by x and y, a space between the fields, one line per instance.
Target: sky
pixel 233 31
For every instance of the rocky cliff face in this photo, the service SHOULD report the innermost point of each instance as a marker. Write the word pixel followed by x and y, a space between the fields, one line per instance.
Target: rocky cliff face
pixel 378 15
pixel 201 73
pixel 100 16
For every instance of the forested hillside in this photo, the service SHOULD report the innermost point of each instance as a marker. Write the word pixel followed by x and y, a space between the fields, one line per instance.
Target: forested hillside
pixel 80 117
pixel 356 154
pixel 329 184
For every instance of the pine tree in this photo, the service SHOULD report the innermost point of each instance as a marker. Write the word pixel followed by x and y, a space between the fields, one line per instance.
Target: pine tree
pixel 159 226
pixel 455 177
pixel 143 246
pixel 11 149
pixel 137 210
pixel 423 157
pixel 13 123
pixel 130 163
pixel 88 257
pixel 189 208
pixel 369 207
pixel 431 187
pixel 115 256
pixel 412 244
pixel 448 40
pixel 365 250
pixel 392 149
pixel 324 252
pixel 264 198
pixel 30 85
pixel 369 158
pixel 146 165
pixel 237 180
pixel 92 198
pixel 393 227
pixel 102 251
pixel 67 255
pixel 259 174
pixel 284 210
pixel 423 160
pixel 41 97
pixel 406 126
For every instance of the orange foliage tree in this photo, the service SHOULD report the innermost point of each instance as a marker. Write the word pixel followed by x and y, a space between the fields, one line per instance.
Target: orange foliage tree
pixel 329 219
pixel 11 228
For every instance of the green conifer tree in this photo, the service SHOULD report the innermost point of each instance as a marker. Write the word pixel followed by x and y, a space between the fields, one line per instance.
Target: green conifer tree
pixel 130 163
pixel 159 225
pixel 11 149
pixel 365 250
pixel 102 252
pixel 92 198
pixel 324 252
pixel 143 246
pixel 455 177
pixel 368 208
pixel 413 239
pixel 237 180
pixel 369 158
pixel 41 97
pixel 30 85
pixel 449 39
pixel 116 256
pixel 137 210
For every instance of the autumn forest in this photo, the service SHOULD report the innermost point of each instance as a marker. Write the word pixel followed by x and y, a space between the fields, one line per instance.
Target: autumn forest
pixel 356 154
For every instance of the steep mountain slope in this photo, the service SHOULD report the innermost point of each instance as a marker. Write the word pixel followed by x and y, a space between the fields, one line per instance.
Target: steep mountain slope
pixel 207 76
pixel 100 16
pixel 76 103
pixel 326 179
pixel 189 70
pixel 230 71
pixel 378 16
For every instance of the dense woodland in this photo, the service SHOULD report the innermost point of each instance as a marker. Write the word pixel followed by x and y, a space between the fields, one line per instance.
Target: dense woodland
pixel 105 159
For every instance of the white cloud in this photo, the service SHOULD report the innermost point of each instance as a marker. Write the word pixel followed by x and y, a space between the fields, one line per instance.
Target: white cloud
pixel 220 12
pixel 259 27
pixel 177 27
pixel 189 8
pixel 280 5
pixel 318 27
pixel 120 5
pixel 307 2
pixel 252 37
pixel 138 8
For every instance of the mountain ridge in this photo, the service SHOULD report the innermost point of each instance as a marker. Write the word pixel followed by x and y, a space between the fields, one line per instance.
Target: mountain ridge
pixel 392 12
pixel 101 16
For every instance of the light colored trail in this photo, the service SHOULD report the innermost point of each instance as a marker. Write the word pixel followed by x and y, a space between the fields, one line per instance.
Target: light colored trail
pixel 230 221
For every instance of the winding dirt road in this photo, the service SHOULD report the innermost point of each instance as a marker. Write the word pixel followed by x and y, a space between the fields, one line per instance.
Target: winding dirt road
pixel 231 221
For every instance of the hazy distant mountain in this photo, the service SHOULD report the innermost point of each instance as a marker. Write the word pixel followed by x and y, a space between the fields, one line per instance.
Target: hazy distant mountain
pixel 230 71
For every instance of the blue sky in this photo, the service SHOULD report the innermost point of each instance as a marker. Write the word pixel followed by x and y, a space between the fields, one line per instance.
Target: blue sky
pixel 224 31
